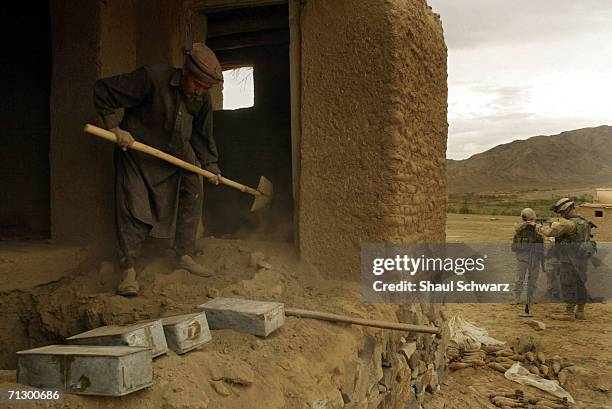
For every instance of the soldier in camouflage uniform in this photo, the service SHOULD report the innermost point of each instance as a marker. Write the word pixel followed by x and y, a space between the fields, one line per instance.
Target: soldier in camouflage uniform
pixel 572 236
pixel 528 248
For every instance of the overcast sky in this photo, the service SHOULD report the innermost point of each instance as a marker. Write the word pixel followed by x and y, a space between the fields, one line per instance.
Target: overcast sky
pixel 519 68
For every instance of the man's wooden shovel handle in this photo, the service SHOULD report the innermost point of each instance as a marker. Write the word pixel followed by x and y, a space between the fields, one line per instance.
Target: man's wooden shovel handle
pixel 141 147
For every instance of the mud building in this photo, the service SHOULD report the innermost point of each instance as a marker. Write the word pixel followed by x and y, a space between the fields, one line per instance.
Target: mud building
pixel 348 122
pixel 600 213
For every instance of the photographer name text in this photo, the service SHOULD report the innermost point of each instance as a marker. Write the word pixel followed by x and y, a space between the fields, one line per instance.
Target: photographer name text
pixel 428 286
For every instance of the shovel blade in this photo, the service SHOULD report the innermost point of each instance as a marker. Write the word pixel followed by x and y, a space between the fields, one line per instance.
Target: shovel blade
pixel 267 191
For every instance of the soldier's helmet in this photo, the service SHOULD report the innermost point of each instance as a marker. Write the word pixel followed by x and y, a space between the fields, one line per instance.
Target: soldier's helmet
pixel 560 202
pixel 565 206
pixel 528 214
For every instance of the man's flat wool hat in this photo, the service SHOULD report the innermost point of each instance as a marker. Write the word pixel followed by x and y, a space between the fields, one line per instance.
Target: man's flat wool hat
pixel 202 62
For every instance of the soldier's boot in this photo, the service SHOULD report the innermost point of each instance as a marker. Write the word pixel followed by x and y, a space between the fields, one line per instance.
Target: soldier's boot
pixel 580 312
pixel 128 287
pixel 567 315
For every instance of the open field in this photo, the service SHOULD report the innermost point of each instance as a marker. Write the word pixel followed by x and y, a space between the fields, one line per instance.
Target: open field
pixel 511 203
pixel 477 228
pixel 588 344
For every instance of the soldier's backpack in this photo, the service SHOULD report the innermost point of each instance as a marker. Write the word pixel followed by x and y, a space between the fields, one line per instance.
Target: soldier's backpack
pixel 527 238
pixel 586 247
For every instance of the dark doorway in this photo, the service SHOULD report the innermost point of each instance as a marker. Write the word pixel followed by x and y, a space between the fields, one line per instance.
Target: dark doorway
pixel 253 141
pixel 25 75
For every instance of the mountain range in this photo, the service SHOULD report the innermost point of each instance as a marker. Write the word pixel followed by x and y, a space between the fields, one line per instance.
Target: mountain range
pixel 572 159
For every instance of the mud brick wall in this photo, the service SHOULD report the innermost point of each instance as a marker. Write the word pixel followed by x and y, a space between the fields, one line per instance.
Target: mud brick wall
pixel 395 370
pixel 374 129
pixel 417 151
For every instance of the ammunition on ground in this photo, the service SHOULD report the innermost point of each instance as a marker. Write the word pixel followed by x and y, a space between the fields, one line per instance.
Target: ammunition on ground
pixel 459 365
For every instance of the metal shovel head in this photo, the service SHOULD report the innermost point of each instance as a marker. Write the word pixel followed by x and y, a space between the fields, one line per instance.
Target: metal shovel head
pixel 267 191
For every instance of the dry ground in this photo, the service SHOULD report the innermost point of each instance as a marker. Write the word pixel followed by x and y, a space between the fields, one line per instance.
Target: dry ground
pixel 588 344
pixel 292 363
pixel 304 362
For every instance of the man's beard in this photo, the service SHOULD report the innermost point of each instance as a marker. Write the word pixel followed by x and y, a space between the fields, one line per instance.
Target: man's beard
pixel 194 98
pixel 193 105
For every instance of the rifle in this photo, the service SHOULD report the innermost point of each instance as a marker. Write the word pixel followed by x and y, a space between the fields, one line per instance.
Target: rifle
pixel 543 220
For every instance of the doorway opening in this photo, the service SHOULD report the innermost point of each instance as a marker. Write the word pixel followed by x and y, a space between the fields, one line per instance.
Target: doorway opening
pixel 25 73
pixel 253 141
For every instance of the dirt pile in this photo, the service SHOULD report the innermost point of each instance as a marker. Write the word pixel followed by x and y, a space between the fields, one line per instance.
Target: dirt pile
pixel 306 364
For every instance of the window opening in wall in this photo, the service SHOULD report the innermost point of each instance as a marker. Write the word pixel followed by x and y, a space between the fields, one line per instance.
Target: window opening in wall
pixel 238 89
pixel 598 213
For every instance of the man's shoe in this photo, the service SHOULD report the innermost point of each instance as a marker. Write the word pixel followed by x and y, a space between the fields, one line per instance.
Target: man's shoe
pixel 188 263
pixel 128 287
pixel 580 312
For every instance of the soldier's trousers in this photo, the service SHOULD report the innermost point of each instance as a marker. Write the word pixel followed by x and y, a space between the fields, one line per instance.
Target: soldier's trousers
pixel 131 232
pixel 573 280
pixel 553 273
pixel 525 267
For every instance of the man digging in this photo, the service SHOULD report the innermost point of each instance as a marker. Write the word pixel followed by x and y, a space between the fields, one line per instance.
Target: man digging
pixel 169 109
